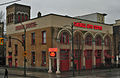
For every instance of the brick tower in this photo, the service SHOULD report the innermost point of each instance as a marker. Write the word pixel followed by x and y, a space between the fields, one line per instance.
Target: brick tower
pixel 17 13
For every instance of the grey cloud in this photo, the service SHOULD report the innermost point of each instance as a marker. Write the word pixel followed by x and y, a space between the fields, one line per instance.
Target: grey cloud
pixel 73 7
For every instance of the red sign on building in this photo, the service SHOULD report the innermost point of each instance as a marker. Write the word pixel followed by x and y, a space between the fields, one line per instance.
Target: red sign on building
pixel 88 26
pixel 29 25
pixel 52 52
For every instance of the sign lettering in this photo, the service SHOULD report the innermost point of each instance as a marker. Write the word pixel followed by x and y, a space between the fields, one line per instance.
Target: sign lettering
pixel 53 50
pixel 88 26
pixel 29 25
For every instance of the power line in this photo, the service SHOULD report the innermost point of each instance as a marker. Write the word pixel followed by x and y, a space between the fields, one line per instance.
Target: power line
pixel 9 2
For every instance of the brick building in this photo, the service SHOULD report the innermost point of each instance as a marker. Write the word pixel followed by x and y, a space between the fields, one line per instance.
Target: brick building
pixel 116 37
pixel 93 41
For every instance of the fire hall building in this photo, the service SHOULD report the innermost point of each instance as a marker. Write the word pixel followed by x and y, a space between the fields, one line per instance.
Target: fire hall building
pixel 93 41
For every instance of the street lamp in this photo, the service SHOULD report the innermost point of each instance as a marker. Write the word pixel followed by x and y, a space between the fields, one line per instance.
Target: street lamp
pixel 24 50
pixel 24 45
pixel 73 50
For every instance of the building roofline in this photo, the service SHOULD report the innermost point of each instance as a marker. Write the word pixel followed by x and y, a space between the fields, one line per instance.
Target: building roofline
pixel 71 18
pixel 18 5
pixel 92 14
pixel 68 17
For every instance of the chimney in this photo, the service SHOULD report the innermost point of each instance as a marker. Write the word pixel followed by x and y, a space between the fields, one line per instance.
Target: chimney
pixel 39 15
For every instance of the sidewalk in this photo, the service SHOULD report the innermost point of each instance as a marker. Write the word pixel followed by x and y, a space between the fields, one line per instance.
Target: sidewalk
pixel 17 73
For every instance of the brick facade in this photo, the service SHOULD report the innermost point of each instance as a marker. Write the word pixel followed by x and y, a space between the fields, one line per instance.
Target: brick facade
pixel 55 26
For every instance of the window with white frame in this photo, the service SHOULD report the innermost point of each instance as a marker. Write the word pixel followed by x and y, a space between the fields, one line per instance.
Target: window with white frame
pixel 43 37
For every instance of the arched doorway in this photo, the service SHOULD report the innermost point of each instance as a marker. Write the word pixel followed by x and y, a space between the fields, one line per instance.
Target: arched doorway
pixel 64 52
pixel 77 50
pixel 107 51
pixel 98 51
pixel 88 52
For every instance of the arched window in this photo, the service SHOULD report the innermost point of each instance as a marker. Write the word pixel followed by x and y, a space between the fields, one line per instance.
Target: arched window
pixel 98 40
pixel 12 17
pixel 19 17
pixel 88 40
pixel 77 39
pixel 9 18
pixel 64 38
pixel 26 17
pixel 22 17
pixel 107 41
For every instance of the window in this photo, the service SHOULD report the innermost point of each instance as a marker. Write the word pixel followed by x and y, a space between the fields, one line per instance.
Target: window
pixel 98 41
pixel 16 49
pixel 33 38
pixel 77 39
pixel 43 37
pixel 64 38
pixel 43 58
pixel 9 44
pixel 12 18
pixel 26 17
pixel 107 41
pixel 88 40
pixel 19 17
pixel 22 17
pixel 33 58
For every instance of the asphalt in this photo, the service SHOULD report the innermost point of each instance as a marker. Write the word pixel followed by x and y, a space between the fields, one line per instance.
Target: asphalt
pixel 18 73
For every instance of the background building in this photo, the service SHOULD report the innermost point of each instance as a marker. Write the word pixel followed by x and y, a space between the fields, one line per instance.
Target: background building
pixel 97 17
pixel 116 34
pixel 2 52
pixel 93 42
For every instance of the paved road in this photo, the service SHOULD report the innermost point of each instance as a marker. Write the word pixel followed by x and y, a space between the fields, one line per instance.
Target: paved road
pixel 108 74
pixel 86 74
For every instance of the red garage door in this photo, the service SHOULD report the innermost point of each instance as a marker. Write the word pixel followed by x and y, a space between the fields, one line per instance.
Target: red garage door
pixel 107 54
pixel 88 59
pixel 77 59
pixel 64 60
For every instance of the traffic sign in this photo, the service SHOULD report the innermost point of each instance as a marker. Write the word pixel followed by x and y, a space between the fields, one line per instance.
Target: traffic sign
pixel 25 53
pixel 53 54
pixel 1 41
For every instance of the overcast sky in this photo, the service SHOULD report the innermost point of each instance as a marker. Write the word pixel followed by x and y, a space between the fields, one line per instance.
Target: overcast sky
pixel 72 7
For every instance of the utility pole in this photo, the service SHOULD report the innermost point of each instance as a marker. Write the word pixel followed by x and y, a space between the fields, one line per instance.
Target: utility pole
pixel 79 52
pixel 24 50
pixel 24 45
pixel 73 51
